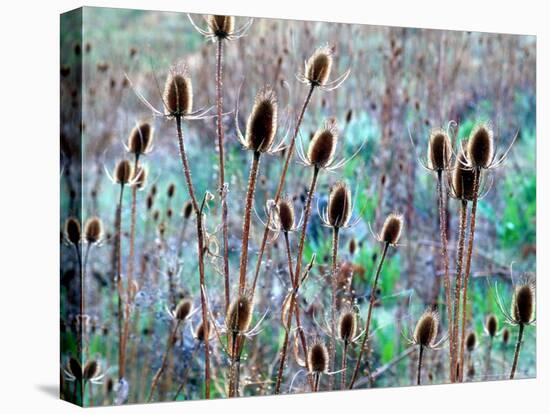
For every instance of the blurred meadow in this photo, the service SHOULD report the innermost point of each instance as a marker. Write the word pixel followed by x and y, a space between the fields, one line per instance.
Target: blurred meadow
pixel 146 289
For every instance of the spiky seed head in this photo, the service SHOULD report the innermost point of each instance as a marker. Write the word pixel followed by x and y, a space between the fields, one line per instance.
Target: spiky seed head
pixel 471 341
pixel 339 205
pixel 523 304
pixel 463 179
pixel 140 138
pixel 286 214
pixel 318 357
pixel 93 230
pixel 140 177
pixel 262 122
pixel 481 146
pixel 323 145
pixel 505 336
pixel 347 326
pixel 391 230
pixel 439 150
pixel 491 325
pixel 239 314
pixel 426 329
pixel 171 190
pixel 123 172
pixel 72 230
pixel 221 26
pixel 75 368
pixel 199 332
pixel 178 94
pixel 183 309
pixel 318 66
pixel 187 210
pixel 91 370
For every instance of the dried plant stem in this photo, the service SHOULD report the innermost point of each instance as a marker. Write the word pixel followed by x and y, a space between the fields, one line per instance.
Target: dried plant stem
pixel 516 352
pixel 222 191
pixel 459 266
pixel 332 344
pixel 317 379
pixel 118 249
pixel 246 222
pixel 201 251
pixel 280 186
pixel 84 338
pixel 468 268
pixel 163 364
pixel 419 372
pixel 444 253
pixel 344 365
pixel 369 316
pixel 488 360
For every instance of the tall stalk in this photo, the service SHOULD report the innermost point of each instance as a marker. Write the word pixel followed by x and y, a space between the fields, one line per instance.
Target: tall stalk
pixel 516 352
pixel 419 371
pixel 369 316
pixel 332 344
pixel 344 365
pixel 118 249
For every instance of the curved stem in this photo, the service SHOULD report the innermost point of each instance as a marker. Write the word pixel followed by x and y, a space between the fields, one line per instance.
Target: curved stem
pixel 419 372
pixel 369 316
pixel 332 344
pixel 516 353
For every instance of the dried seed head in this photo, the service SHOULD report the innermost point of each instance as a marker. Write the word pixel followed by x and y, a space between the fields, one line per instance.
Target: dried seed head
pixel 93 230
pixel 262 122
pixel 75 368
pixel 72 230
pixel 347 326
pixel 523 304
pixel 352 246
pixel 178 94
pixel 505 336
pixel 318 357
pixel 123 172
pixel 199 332
pixel 471 341
pixel 391 230
pixel 183 309
pixel 149 202
pixel 221 26
pixel 286 214
pixel 171 190
pixel 318 66
pixel 426 329
pixel 91 370
pixel 480 146
pixel 140 177
pixel 323 145
pixel 239 314
pixel 491 325
pixel 463 179
pixel 339 205
pixel 187 210
pixel 140 139
pixel 439 150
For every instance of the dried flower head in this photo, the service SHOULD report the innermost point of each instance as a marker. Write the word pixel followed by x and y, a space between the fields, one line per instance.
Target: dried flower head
pixel 523 304
pixel 187 210
pixel 140 139
pixel 286 215
pixel 123 172
pixel 221 26
pixel 491 325
pixel 171 190
pixel 262 122
pixel 339 205
pixel 318 66
pixel 505 336
pixel 178 94
pixel 75 369
pixel 183 309
pixel 471 341
pixel 323 145
pixel 352 246
pixel 318 357
pixel 347 326
pixel 462 182
pixel 439 150
pixel 481 146
pixel 391 230
pixel 93 230
pixel 91 370
pixel 72 230
pixel 239 314
pixel 426 329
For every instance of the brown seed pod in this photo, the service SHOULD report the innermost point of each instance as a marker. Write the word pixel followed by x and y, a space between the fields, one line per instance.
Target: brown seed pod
pixel 439 150
pixel 323 145
pixel 91 370
pixel 391 230
pixel 286 214
pixel 339 205
pixel 347 326
pixel 178 94
pixel 426 329
pixel 72 230
pixel 183 309
pixel 199 332
pixel 221 26
pixel 171 190
pixel 262 122
pixel 491 325
pixel 318 66
pixel 523 304
pixel 318 357
pixel 352 246
pixel 140 177
pixel 75 369
pixel 187 210
pixel 471 341
pixel 481 146
pixel 463 179
pixel 505 336
pixel 93 230
pixel 123 172
pixel 239 314
pixel 149 202
pixel 140 139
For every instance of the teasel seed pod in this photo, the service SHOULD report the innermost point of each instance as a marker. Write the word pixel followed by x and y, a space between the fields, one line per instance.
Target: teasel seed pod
pixel 462 179
pixel 261 126
pixel 140 178
pixel 505 336
pixel 72 230
pixel 318 66
pixel 523 304
pixel 178 94
pixel 183 309
pixel 481 146
pixel 439 150
pixel 221 26
pixel 426 329
pixel 199 332
pixel 323 145
pixel 75 368
pixel 347 326
pixel 91 370
pixel 93 230
pixel 171 190
pixel 391 230
pixel 286 214
pixel 318 357
pixel 140 139
pixel 471 341
pixel 123 172
pixel 339 205
pixel 239 314
pixel 491 325
pixel 187 210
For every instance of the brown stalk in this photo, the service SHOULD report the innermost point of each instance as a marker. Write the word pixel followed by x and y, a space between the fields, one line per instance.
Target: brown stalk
pixel 516 352
pixel 118 230
pixel 332 344
pixel 419 372
pixel 369 315
pixel 344 365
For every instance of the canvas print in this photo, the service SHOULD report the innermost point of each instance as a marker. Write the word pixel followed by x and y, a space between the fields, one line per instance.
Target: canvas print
pixel 255 206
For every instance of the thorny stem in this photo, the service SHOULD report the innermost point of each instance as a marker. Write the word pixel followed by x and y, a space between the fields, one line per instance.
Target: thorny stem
pixel 468 267
pixel 201 251
pixel 290 151
pixel 516 353
pixel 118 231
pixel 222 191
pixel 445 254
pixel 160 371
pixel 458 282
pixel 419 372
pixel 246 222
pixel 332 344
pixel 369 316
